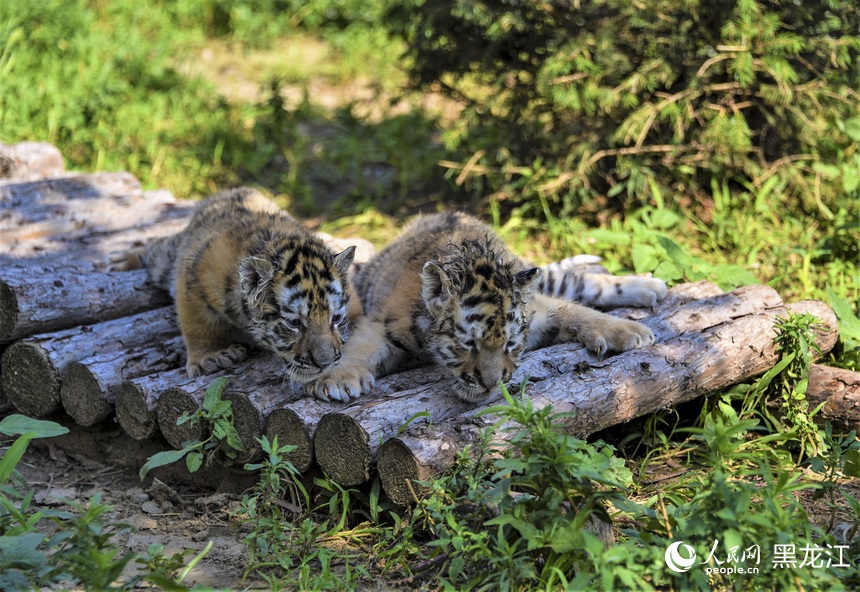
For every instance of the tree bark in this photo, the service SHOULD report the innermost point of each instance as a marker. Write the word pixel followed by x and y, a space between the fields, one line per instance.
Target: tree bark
pixel 135 410
pixel 30 370
pixel 605 393
pixel 345 444
pixel 89 387
pixel 30 160
pixel 36 299
pixel 839 390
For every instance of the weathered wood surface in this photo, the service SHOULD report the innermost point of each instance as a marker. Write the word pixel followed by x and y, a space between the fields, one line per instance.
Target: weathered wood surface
pixel 30 160
pixel 611 392
pixel 839 390
pixel 36 299
pixel 90 229
pixel 56 244
pixel 89 387
pixel 31 369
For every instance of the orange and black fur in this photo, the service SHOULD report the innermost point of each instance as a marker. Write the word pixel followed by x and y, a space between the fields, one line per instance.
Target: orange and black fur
pixel 449 292
pixel 243 272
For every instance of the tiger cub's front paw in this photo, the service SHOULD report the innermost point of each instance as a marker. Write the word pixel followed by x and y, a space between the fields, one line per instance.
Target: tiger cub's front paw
pixel 209 363
pixel 617 335
pixel 342 383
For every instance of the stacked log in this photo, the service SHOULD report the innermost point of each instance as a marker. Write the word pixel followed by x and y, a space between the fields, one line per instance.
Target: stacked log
pixel 31 369
pixel 105 346
pixel 30 160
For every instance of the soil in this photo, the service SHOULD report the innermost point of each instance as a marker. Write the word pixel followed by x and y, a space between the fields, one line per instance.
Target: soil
pixel 171 507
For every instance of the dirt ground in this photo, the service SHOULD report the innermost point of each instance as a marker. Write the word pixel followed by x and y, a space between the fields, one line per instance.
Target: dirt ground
pixel 171 507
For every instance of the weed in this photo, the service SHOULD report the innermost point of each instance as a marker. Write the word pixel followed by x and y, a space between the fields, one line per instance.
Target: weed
pixel 222 439
pixel 44 548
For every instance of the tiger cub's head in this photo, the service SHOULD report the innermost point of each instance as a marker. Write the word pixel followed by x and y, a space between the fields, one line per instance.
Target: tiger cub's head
pixel 476 323
pixel 296 300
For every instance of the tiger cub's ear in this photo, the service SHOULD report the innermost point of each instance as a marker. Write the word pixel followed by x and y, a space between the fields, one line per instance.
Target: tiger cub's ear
pixel 254 275
pixel 528 280
pixel 344 259
pixel 435 288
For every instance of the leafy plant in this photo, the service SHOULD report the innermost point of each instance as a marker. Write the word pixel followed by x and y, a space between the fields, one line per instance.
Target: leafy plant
pixel 222 439
pixel 568 102
pixel 42 548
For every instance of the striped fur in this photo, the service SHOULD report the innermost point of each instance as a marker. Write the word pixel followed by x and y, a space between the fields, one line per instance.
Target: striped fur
pixel 245 273
pixel 448 292
pixel 581 279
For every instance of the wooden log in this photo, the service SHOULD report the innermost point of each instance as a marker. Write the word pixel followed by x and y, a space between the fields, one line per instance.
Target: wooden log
pixel 185 396
pixel 291 429
pixel 36 299
pixel 74 228
pixel 30 160
pixel 630 385
pixel 89 387
pixel 30 370
pixel 135 410
pixel 839 390
pixel 23 202
pixel 346 442
pixel 264 403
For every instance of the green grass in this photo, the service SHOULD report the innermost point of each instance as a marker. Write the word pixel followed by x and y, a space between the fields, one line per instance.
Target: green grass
pixel 308 101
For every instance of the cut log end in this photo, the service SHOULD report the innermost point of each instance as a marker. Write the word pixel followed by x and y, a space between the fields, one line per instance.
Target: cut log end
pixel 30 380
pixel 839 389
pixel 249 425
pixel 342 449
pixel 8 311
pixel 173 404
pixel 134 413
pixel 290 429
pixel 398 470
pixel 83 396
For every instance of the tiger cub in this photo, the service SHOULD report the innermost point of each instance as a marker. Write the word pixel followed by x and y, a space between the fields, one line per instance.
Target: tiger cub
pixel 449 292
pixel 244 272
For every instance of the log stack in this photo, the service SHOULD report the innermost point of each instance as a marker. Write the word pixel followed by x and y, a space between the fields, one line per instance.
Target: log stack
pixel 104 346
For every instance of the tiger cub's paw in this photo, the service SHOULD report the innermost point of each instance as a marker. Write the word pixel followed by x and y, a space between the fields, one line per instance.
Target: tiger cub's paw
pixel 614 334
pixel 342 383
pixel 209 363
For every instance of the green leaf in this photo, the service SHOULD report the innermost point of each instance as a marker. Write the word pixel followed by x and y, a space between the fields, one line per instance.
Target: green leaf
pixel 732 276
pixel 21 550
pixel 213 393
pixel 12 456
pixel 849 324
pixel 611 237
pixel 20 424
pixel 160 459
pixel 851 468
pixel 566 539
pixel 193 461
pixel 678 255
pixel 645 258
pixel 668 271
pixel 852 128
pixel 664 219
